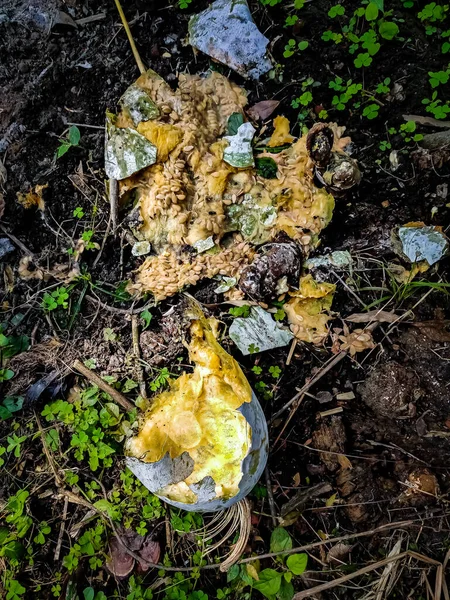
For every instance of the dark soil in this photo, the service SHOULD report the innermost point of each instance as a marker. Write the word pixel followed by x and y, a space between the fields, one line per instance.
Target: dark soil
pixel 394 426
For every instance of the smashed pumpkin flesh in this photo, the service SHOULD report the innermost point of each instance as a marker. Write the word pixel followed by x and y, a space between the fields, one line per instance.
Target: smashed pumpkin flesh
pixel 308 310
pixel 199 415
pixel 191 192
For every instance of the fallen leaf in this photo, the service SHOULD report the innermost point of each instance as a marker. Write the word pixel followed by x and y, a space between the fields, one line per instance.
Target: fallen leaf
pixel 150 553
pixel 33 198
pixel 296 479
pixel 252 572
pixel 356 341
pixel 331 500
pixel 2 205
pixel 338 553
pixel 434 330
pixel 344 462
pixel 262 110
pixel 119 563
pixel 380 316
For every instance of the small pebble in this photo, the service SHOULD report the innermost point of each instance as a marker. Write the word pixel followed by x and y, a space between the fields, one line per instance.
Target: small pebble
pixel 6 247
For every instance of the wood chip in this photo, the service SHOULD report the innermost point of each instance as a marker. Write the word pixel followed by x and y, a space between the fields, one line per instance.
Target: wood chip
pixel 346 396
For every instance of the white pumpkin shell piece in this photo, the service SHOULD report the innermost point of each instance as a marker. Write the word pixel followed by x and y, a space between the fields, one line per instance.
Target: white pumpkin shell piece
pixel 239 152
pixel 127 152
pixel 226 32
pixel 167 471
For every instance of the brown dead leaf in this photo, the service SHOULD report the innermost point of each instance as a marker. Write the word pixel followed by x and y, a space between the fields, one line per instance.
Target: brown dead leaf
pixel 356 341
pixel 344 462
pixel 381 316
pixel 33 198
pixel 8 277
pixel 119 563
pixel 434 330
pixel 2 205
pixel 150 553
pixel 338 553
pixel 262 110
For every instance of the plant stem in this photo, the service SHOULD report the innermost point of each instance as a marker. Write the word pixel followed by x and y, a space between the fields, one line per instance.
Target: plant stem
pixel 134 50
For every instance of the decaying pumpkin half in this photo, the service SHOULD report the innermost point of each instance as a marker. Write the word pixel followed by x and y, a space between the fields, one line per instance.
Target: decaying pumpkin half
pixel 194 191
pixel 203 444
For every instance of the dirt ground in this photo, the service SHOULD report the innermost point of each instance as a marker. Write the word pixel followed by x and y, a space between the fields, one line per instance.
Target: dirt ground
pixel 384 449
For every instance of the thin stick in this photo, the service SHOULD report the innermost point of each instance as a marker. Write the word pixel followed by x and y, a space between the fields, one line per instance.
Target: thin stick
pixel 137 354
pixel 114 202
pixel 309 384
pixel 61 530
pixel 291 351
pixel 288 420
pixel 47 453
pixel 332 411
pixel 270 497
pixel 120 311
pixel 99 382
pixel 123 18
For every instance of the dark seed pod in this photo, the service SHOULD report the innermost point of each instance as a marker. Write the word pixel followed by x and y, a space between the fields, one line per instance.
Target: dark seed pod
pixel 319 143
pixel 341 174
pixel 270 273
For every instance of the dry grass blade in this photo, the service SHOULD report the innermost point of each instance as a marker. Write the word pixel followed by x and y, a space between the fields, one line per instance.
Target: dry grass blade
pixel 383 586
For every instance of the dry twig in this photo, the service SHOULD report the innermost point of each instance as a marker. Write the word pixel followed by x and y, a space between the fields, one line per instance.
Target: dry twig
pixel 99 382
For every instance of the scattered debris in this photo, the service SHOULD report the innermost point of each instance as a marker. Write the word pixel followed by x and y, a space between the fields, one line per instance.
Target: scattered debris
pixel 204 245
pixel 356 341
pixel 141 248
pixel 334 168
pixel 33 198
pixel 339 259
pixel 191 195
pixel 422 488
pixel 421 242
pixel 202 449
pixel 308 310
pixel 258 332
pixel 273 271
pixel 220 31
pixel 138 105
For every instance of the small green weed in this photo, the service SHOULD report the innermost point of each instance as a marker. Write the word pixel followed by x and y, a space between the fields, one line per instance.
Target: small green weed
pixel 56 299
pixel 240 311
pixel 292 46
pixel 72 139
pixel 160 380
